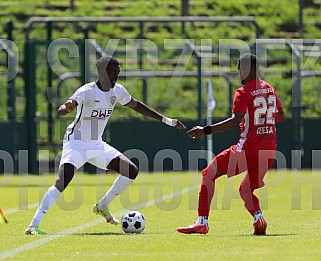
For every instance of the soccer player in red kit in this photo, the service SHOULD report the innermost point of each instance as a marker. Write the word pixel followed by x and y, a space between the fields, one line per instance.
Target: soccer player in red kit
pixel 256 109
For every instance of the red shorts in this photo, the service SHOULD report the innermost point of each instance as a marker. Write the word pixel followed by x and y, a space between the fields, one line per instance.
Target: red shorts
pixel 233 162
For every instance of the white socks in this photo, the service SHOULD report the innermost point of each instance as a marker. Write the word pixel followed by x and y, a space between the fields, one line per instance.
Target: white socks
pixel 47 201
pixel 258 215
pixel 202 220
pixel 120 184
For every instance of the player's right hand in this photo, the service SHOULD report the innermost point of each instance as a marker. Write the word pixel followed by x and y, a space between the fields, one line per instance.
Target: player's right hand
pixel 180 125
pixel 70 105
pixel 196 132
pixel 67 107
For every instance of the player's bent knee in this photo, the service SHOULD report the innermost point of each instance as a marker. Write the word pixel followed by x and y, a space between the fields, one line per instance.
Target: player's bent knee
pixel 133 171
pixel 209 173
pixel 66 174
pixel 204 172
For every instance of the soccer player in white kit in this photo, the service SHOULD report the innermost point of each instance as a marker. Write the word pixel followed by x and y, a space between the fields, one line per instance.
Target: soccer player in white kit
pixel 82 143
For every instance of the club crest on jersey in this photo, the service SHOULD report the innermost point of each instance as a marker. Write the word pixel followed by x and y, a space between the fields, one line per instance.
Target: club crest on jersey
pixel 113 100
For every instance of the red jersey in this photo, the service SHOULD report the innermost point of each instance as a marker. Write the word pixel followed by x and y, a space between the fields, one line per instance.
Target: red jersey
pixel 259 101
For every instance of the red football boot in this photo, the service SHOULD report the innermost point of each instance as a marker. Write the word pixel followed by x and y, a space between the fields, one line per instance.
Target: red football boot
pixel 194 229
pixel 259 226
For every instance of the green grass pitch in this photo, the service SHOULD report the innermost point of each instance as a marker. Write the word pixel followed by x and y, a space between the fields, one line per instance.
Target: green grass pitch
pixel 291 202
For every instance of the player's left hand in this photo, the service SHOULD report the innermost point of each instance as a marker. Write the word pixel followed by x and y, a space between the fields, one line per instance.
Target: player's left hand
pixel 196 132
pixel 180 125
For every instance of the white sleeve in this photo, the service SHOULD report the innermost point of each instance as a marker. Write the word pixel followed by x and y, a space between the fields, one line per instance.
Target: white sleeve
pixel 78 96
pixel 124 97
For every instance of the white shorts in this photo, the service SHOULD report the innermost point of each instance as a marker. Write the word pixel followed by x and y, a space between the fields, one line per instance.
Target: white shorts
pixel 78 153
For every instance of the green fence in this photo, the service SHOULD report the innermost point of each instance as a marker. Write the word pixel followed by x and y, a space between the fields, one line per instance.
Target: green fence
pixel 163 147
pixel 12 150
pixel 39 73
pixel 43 81
pixel 312 142
pixel 148 137
pixel 153 139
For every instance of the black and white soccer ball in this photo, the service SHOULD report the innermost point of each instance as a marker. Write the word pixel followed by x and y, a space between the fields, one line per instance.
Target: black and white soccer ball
pixel 133 222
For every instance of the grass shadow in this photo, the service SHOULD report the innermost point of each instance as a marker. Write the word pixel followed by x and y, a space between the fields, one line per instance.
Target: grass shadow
pixel 280 235
pixel 99 234
pixel 270 235
pixel 106 234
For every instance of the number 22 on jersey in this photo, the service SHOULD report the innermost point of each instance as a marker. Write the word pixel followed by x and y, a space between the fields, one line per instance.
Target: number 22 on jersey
pixel 264 107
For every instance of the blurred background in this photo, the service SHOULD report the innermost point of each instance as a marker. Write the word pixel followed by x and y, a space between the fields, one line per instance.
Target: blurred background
pixel 169 51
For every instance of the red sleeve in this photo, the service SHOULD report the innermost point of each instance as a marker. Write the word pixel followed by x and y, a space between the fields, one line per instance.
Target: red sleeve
pixel 240 101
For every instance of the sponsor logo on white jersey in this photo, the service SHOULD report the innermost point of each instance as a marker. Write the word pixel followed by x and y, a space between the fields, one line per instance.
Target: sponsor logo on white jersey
pixel 104 113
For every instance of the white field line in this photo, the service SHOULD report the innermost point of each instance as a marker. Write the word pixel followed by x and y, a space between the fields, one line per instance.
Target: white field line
pixel 30 206
pixel 47 239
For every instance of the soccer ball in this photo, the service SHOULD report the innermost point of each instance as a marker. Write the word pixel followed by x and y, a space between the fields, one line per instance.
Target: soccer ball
pixel 133 222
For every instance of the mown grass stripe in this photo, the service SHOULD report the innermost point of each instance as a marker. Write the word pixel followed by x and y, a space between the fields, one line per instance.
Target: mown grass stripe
pixel 47 239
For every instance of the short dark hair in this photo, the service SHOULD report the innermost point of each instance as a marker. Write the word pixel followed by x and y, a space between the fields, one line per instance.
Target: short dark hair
pixel 249 61
pixel 105 61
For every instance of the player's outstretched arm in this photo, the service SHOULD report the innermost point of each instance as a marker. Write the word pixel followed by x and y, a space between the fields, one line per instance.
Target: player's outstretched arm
pixel 149 112
pixel 225 125
pixel 67 107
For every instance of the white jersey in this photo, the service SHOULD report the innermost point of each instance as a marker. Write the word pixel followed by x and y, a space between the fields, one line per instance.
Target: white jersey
pixel 94 110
